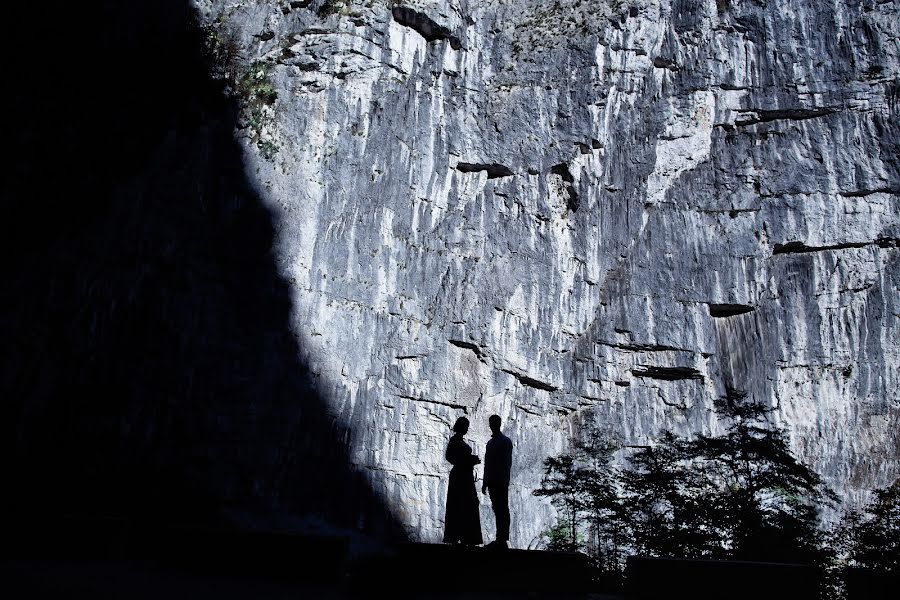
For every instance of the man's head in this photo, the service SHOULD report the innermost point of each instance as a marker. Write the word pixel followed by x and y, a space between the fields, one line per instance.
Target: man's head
pixel 494 422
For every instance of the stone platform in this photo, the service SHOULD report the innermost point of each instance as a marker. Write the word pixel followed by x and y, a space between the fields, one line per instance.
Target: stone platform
pixel 649 578
pixel 477 569
pixel 112 558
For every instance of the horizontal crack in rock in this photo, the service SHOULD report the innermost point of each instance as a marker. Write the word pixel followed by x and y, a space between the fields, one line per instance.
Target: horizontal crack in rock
pixel 424 26
pixel 801 248
pixel 494 170
pixel 531 382
pixel 664 63
pixel 668 373
pixel 678 405
pixel 467 345
pixel 861 193
pixel 642 347
pixel 729 310
pixel 789 114
pixel 427 401
pixel 855 290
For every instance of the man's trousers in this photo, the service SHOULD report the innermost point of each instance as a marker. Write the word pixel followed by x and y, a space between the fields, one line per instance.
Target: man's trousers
pixel 500 503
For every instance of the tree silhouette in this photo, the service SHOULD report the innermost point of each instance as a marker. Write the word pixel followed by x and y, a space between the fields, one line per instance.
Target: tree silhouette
pixel 673 504
pixel 770 498
pixel 738 495
pixel 870 538
pixel 585 489
pixel 562 482
pixel 608 533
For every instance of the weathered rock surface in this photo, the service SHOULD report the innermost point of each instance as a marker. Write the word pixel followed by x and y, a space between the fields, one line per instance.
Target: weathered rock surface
pixel 585 210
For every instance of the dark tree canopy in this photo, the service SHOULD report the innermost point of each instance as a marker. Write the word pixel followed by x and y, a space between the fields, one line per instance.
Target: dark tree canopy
pixel 739 495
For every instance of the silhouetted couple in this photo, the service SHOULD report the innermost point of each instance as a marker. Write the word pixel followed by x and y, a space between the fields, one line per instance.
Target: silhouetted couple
pixel 462 523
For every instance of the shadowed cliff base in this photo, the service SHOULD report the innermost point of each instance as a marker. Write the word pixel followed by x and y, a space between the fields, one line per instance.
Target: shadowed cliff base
pixel 150 376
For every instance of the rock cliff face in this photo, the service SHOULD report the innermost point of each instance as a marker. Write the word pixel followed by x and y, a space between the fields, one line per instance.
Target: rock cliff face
pixel 580 212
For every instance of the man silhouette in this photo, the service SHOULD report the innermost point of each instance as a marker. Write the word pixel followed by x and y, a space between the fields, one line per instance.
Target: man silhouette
pixel 497 465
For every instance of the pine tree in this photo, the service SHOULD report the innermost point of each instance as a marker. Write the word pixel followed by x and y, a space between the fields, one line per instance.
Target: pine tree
pixel 672 504
pixel 739 495
pixel 870 538
pixel 562 482
pixel 770 498
pixel 583 487
pixel 608 527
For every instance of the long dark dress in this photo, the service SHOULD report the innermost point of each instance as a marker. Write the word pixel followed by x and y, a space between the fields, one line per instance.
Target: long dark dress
pixel 462 522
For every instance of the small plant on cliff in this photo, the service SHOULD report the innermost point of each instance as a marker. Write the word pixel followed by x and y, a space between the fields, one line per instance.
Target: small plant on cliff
pixel 221 49
pixel 250 85
pixel 257 96
pixel 332 7
pixel 267 148
pixel 254 85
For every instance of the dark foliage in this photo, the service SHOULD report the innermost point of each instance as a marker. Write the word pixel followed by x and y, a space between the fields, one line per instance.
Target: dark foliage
pixel 739 495
pixel 770 500
pixel 870 538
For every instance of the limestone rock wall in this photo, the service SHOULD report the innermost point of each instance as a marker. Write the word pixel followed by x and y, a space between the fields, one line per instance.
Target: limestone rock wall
pixel 582 211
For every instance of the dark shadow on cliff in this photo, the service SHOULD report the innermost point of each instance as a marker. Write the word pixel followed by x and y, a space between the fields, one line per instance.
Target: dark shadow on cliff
pixel 149 372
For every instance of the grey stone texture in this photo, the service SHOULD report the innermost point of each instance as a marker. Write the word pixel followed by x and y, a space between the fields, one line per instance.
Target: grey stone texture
pixel 581 213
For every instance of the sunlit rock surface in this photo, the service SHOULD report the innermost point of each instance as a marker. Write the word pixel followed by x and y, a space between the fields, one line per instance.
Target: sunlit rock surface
pixel 583 211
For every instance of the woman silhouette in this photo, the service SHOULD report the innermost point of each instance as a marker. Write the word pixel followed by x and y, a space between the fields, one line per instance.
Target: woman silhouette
pixel 462 523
